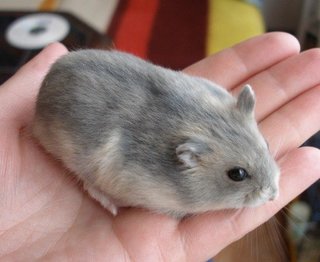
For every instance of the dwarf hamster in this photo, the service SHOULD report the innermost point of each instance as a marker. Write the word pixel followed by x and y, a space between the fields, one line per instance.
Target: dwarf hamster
pixel 138 134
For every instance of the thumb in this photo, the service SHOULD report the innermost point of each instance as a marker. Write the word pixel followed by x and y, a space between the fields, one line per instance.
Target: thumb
pixel 18 94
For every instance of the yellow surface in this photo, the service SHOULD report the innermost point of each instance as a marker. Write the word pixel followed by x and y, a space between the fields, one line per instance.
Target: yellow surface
pixel 230 22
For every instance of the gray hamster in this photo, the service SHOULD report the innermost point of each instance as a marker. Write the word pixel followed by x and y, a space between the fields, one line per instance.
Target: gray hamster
pixel 141 135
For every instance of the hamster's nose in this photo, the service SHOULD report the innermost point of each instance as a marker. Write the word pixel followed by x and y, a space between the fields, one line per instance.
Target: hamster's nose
pixel 273 194
pixel 272 197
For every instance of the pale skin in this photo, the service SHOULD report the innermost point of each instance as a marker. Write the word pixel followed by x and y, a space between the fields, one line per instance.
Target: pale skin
pixel 46 216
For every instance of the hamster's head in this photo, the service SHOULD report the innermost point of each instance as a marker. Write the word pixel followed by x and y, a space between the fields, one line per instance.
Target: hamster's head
pixel 227 164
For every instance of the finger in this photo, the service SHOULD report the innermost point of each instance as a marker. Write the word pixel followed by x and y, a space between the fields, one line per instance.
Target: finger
pixel 17 95
pixel 299 118
pixel 234 65
pixel 207 234
pixel 279 84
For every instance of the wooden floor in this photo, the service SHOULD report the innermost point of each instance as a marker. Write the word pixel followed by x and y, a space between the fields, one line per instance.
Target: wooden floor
pixel 267 243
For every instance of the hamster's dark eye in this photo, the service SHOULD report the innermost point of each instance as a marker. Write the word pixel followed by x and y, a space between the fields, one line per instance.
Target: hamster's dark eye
pixel 237 174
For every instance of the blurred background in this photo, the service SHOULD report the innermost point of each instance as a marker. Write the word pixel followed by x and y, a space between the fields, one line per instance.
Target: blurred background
pixel 175 34
pixel 170 33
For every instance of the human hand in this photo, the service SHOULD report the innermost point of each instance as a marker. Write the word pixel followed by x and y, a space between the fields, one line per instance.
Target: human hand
pixel 45 215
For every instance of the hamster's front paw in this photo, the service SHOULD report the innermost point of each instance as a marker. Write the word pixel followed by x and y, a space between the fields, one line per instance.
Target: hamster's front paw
pixel 104 200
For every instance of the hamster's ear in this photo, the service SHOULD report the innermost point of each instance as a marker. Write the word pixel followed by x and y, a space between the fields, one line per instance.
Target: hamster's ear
pixel 246 100
pixel 190 152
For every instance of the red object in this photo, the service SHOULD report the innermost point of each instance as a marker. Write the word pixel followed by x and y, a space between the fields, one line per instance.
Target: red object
pixel 134 27
pixel 171 33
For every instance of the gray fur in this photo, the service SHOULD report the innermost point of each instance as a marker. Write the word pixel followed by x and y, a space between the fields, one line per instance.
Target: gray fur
pixel 167 138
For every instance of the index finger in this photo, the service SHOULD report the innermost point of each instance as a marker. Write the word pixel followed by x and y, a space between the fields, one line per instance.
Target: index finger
pixel 235 65
pixel 17 94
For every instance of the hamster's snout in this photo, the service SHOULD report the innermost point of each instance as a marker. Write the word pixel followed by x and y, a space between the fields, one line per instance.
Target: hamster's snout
pixel 273 194
pixel 269 193
pixel 262 195
pixel 273 197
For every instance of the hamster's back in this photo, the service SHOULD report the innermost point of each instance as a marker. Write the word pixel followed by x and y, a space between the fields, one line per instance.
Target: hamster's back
pixel 90 93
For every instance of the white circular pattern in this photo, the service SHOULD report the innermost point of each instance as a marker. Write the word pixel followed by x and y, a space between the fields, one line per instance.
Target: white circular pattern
pixel 36 31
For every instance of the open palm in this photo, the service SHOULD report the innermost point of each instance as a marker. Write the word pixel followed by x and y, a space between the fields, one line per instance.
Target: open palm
pixel 46 216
